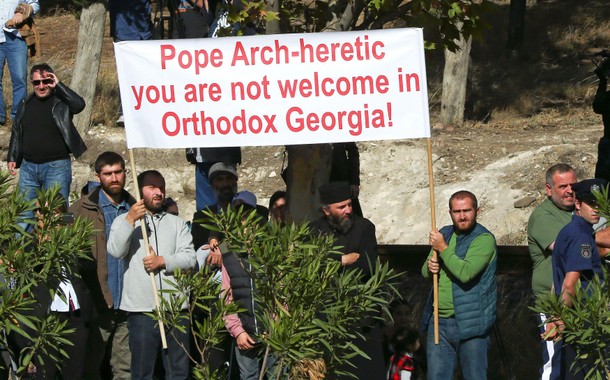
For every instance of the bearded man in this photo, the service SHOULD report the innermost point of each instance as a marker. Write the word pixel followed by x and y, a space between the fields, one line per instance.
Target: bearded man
pixel 170 248
pixel 356 236
pixel 101 205
pixel 466 266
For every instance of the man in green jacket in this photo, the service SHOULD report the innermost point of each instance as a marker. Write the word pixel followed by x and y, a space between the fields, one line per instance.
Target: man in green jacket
pixel 466 267
pixel 542 228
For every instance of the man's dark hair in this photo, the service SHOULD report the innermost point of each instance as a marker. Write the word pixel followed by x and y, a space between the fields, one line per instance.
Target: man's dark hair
pixel 106 159
pixel 557 168
pixel 277 195
pixel 462 194
pixel 142 177
pixel 41 68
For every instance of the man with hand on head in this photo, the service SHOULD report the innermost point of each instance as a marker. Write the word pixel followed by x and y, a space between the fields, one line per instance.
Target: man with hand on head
pixel 466 266
pixel 170 248
pixel 44 136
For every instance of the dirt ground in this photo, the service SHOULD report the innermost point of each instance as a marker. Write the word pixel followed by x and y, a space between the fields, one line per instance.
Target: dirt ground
pixel 501 157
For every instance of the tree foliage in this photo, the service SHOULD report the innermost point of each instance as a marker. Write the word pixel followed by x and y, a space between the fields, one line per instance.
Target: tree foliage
pixel 43 257
pixel 586 326
pixel 444 21
pixel 310 309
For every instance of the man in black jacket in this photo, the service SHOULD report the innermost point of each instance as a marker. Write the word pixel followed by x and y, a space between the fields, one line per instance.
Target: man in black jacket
pixel 43 135
pixel 356 237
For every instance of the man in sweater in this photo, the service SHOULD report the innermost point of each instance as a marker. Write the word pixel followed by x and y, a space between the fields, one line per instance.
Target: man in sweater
pixel 466 266
pixel 170 248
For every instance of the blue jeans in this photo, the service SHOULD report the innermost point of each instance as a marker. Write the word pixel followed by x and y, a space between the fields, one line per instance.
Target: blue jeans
pixel 145 344
pixel 14 52
pixel 442 358
pixel 250 362
pixel 204 195
pixel 34 177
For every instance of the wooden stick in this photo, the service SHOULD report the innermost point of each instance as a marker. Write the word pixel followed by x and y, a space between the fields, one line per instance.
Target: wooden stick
pixel 434 253
pixel 147 250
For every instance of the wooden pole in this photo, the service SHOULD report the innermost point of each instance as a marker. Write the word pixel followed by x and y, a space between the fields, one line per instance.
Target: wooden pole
pixel 147 250
pixel 433 225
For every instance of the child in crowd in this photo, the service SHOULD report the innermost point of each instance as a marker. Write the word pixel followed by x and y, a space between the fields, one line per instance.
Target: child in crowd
pixel 402 364
pixel 402 314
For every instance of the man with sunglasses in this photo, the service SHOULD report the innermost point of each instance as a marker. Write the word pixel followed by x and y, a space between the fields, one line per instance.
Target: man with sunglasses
pixel 44 135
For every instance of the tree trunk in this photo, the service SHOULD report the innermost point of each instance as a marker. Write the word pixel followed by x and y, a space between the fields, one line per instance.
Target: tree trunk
pixel 516 24
pixel 273 26
pixel 308 168
pixel 455 77
pixel 88 55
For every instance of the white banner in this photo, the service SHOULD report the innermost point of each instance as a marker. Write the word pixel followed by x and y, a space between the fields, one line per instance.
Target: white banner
pixel 274 90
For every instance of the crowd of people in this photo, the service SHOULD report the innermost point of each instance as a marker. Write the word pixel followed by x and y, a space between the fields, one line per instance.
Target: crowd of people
pixel 109 305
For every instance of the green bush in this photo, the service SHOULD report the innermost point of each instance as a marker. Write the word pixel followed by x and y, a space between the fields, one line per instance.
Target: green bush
pixel 310 308
pixel 28 261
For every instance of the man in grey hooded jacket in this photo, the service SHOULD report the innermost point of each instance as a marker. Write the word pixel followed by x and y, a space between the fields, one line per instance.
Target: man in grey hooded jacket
pixel 170 248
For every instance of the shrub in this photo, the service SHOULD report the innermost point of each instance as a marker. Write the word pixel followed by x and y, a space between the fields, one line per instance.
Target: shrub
pixel 308 306
pixel 28 261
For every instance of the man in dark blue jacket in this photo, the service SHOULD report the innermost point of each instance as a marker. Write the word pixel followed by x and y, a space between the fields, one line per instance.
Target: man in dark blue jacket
pixel 576 262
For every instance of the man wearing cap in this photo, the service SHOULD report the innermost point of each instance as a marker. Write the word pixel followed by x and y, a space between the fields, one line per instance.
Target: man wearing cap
pixel 576 260
pixel 466 269
pixel 356 236
pixel 223 178
pixel 204 159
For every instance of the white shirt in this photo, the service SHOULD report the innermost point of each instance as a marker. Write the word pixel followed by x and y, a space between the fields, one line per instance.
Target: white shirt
pixel 7 11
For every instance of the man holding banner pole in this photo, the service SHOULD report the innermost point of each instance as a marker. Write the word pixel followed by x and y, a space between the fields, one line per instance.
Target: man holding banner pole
pixel 170 248
pixel 466 268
